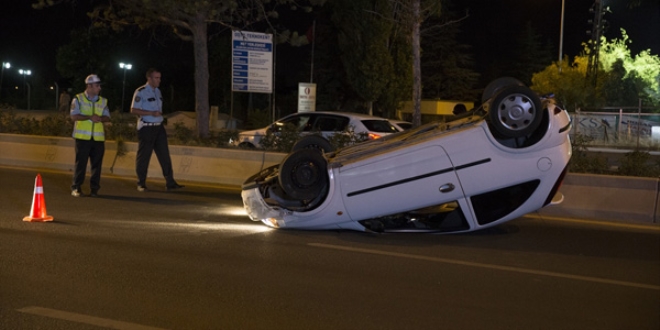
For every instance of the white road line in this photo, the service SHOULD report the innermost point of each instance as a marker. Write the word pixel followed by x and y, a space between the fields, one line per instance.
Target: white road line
pixel 651 227
pixel 86 319
pixel 489 266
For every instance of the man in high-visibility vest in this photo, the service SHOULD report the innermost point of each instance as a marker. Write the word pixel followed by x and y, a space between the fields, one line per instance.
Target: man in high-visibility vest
pixel 89 111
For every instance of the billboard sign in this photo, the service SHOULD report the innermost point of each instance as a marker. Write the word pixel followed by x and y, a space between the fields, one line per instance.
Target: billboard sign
pixel 252 62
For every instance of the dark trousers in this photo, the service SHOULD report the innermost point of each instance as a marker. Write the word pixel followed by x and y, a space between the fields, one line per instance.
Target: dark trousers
pixel 153 138
pixel 92 151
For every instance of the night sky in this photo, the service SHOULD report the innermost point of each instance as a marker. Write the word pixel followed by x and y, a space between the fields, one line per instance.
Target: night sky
pixel 29 38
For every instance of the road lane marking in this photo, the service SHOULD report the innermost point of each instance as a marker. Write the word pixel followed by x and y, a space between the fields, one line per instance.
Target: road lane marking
pixel 652 227
pixel 86 319
pixel 488 266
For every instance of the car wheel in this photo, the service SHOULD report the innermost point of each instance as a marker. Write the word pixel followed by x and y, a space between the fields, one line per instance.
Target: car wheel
pixel 515 112
pixel 497 85
pixel 246 145
pixel 314 142
pixel 303 174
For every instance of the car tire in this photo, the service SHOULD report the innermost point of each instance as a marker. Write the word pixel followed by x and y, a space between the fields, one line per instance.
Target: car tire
pixel 515 112
pixel 497 85
pixel 314 142
pixel 303 174
pixel 246 145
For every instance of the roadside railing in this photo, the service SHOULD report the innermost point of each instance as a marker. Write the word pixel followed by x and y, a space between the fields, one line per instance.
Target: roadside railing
pixel 619 129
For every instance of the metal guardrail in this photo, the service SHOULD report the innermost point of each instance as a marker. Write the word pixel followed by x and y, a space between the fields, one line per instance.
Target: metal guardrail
pixel 619 129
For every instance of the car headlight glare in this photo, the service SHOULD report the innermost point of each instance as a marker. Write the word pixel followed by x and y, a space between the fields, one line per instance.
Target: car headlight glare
pixel 271 222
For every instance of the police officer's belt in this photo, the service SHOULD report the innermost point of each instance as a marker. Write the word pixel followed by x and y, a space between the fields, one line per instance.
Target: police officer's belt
pixel 150 124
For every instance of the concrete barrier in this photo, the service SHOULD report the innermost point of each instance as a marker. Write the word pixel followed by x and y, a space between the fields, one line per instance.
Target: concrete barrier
pixel 211 165
pixel 602 197
pixel 607 197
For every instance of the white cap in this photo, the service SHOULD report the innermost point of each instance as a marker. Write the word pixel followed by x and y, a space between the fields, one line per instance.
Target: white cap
pixel 92 79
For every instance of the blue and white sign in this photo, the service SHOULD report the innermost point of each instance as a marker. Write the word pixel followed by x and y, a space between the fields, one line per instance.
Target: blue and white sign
pixel 252 62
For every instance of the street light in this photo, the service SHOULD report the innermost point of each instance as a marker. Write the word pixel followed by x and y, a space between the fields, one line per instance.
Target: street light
pixel 561 35
pixel 125 66
pixel 5 65
pixel 26 73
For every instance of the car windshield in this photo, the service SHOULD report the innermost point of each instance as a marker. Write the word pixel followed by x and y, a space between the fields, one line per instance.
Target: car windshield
pixel 380 126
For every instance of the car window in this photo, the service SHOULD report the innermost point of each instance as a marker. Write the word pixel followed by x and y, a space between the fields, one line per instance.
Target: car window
pixel 380 126
pixel 330 123
pixel 301 123
pixel 404 125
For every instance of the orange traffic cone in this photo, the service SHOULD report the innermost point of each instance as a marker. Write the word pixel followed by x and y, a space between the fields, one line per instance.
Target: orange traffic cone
pixel 38 211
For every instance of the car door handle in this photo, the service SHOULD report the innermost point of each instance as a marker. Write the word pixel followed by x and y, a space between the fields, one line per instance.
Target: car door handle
pixel 447 187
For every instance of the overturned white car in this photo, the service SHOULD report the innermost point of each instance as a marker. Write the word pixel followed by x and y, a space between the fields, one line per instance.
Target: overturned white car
pixel 493 164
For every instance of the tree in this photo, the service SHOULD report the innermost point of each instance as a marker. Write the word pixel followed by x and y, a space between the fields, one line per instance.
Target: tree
pixel 447 66
pixel 530 55
pixel 411 14
pixel 363 40
pixel 569 86
pixel 645 67
pixel 190 21
pixel 399 87
pixel 622 78
pixel 87 53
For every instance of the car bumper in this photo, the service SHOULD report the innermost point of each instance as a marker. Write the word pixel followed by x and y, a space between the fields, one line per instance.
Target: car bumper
pixel 258 210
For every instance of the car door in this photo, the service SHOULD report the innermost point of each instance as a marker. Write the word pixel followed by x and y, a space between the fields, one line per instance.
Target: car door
pixel 399 180
pixel 329 125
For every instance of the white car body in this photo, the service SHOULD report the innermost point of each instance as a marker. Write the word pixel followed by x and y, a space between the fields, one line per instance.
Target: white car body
pixel 358 123
pixel 453 177
pixel 402 125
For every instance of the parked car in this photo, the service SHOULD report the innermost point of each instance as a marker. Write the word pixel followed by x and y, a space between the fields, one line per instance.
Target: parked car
pixel 503 160
pixel 325 123
pixel 402 125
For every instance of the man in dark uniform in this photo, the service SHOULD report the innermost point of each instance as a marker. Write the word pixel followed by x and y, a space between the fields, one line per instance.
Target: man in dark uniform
pixel 148 105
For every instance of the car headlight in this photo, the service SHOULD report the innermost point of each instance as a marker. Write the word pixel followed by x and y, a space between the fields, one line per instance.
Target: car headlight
pixel 270 222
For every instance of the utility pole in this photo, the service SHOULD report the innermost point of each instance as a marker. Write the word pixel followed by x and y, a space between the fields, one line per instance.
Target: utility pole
pixel 596 33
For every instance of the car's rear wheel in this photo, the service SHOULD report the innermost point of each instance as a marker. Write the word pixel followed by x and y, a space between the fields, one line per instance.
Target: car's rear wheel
pixel 515 112
pixel 303 174
pixel 246 145
pixel 314 142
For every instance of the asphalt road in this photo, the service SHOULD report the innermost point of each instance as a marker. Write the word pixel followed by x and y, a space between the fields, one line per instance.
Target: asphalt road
pixel 191 259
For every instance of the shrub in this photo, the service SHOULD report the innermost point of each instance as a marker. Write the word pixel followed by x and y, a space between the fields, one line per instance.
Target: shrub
pixel 183 135
pixel 283 141
pixel 343 139
pixel 583 162
pixel 639 163
pixel 56 125
pixel 121 127
pixel 221 138
pixel 186 136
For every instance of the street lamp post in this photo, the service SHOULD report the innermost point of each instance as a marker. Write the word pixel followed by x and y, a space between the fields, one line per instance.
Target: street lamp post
pixel 5 65
pixel 57 95
pixel 124 66
pixel 561 35
pixel 26 73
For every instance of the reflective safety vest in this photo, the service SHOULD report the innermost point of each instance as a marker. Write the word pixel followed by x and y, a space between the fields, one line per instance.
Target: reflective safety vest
pixel 86 129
